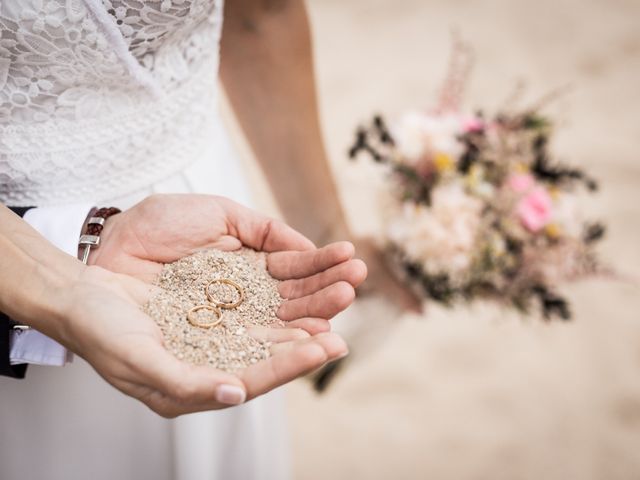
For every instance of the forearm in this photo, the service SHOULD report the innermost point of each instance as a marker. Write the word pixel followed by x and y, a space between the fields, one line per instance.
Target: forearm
pixel 33 276
pixel 267 71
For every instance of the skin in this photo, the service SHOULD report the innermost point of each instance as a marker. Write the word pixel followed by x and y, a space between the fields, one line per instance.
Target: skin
pixel 270 40
pixel 95 312
pixel 317 283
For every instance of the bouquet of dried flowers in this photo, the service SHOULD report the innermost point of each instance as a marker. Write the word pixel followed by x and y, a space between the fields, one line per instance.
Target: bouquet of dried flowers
pixel 481 209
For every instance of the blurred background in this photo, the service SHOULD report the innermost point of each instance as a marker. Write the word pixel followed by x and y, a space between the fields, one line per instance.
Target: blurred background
pixel 479 393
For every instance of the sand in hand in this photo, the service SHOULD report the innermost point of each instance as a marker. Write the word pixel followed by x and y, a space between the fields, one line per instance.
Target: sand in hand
pixel 228 345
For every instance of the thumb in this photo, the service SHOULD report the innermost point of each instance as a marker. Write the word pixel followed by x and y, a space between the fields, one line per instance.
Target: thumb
pixel 184 383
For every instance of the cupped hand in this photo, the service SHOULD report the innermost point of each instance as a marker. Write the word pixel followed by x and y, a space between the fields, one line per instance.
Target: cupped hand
pixel 316 283
pixel 106 326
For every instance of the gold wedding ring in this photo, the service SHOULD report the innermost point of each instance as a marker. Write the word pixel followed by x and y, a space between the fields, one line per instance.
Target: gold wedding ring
pixel 216 307
pixel 195 323
pixel 226 305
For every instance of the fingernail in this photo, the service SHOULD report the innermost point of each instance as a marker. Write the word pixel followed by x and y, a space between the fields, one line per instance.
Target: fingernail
pixel 230 395
pixel 342 355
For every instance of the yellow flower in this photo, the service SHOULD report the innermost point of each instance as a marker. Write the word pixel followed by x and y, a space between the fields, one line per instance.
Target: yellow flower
pixel 474 177
pixel 554 192
pixel 443 162
pixel 553 230
pixel 521 168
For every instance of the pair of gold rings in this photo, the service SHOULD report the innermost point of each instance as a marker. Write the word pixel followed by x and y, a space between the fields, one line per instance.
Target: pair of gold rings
pixel 214 305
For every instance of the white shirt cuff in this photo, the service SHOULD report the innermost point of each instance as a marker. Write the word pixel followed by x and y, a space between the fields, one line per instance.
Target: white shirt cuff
pixel 60 225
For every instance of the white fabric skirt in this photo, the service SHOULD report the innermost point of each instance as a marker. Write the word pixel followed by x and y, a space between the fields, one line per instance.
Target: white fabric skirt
pixel 67 423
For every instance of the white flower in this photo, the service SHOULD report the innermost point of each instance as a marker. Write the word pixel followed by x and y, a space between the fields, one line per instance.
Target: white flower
pixel 33 82
pixel 442 237
pixel 419 135
pixel 409 135
pixel 42 14
pixel 566 215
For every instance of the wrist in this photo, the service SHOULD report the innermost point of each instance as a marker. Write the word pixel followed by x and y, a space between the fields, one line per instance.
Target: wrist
pixel 46 303
pixel 62 302
pixel 36 275
pixel 79 294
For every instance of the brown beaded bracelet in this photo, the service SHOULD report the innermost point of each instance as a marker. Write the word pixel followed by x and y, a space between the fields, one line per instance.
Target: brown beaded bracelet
pixel 95 223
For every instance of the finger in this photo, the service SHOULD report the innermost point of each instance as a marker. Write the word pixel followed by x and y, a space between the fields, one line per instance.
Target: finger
pixel 333 344
pixel 260 232
pixel 312 326
pixel 352 271
pixel 277 335
pixel 297 357
pixel 290 361
pixel 288 265
pixel 227 243
pixel 169 407
pixel 181 382
pixel 325 303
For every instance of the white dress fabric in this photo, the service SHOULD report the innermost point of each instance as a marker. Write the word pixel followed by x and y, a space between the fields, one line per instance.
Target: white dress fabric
pixel 106 102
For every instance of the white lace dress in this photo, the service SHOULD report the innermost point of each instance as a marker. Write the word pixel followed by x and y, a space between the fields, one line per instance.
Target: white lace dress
pixel 107 101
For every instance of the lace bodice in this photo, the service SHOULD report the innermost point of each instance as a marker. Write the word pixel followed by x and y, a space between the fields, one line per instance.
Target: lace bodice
pixel 100 97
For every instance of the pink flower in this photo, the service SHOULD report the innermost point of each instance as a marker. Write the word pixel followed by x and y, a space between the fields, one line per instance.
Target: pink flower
pixel 534 210
pixel 520 182
pixel 472 124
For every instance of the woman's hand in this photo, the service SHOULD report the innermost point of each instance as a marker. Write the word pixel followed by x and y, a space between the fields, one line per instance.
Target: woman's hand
pixel 104 324
pixel 317 283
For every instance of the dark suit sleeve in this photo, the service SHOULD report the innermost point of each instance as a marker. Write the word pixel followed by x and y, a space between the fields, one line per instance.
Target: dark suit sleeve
pixel 6 369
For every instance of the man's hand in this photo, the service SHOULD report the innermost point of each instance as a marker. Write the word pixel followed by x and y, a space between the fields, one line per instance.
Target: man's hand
pixel 317 283
pixel 105 325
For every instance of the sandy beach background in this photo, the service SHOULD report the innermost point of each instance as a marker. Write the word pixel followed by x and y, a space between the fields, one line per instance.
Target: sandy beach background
pixel 477 393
